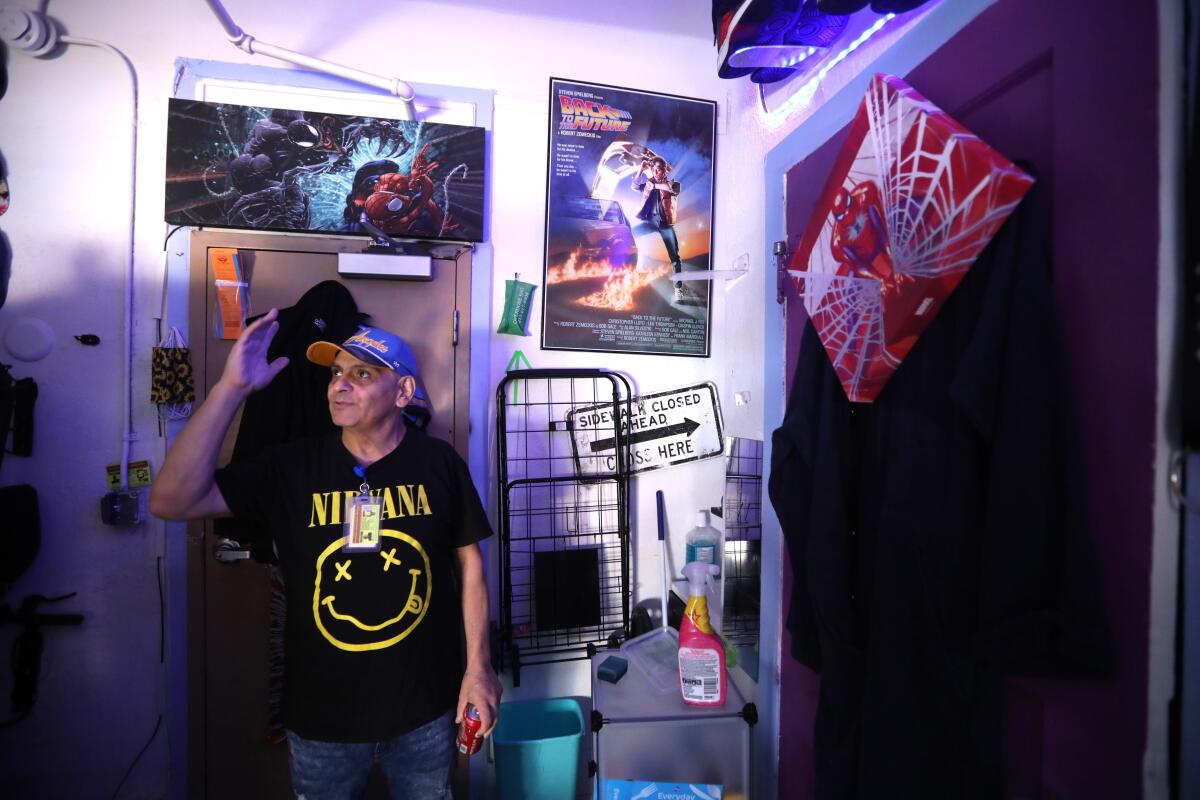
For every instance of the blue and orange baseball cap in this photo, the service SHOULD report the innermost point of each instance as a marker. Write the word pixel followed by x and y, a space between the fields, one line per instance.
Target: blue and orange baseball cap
pixel 381 348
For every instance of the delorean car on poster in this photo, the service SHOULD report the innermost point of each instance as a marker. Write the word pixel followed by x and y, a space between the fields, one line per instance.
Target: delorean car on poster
pixel 628 215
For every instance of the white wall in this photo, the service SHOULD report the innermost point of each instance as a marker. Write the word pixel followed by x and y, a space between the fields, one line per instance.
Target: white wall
pixel 64 137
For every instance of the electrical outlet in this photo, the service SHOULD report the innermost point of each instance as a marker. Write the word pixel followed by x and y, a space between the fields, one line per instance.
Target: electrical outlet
pixel 123 509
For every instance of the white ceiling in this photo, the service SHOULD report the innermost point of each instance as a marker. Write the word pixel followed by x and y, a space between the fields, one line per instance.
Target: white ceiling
pixel 692 18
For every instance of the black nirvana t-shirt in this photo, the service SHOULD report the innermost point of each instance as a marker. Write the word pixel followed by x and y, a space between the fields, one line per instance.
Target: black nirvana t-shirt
pixel 372 642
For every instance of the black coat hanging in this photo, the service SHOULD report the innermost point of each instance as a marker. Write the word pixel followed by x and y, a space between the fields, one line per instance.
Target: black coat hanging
pixel 937 537
pixel 294 405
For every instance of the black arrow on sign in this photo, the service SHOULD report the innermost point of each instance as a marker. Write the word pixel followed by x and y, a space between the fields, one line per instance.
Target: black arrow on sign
pixel 688 426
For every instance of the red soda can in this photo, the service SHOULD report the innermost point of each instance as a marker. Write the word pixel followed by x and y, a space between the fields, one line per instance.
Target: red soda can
pixel 469 740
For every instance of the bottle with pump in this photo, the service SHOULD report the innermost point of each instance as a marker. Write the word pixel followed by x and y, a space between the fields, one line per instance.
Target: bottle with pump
pixel 702 678
pixel 704 543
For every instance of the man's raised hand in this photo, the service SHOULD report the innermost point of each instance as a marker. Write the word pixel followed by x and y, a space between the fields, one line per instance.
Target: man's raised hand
pixel 247 369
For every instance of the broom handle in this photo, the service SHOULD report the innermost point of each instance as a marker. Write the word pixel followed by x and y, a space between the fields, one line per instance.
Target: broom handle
pixel 662 545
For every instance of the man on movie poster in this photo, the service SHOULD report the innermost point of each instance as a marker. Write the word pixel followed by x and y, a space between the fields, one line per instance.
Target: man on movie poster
pixel 628 216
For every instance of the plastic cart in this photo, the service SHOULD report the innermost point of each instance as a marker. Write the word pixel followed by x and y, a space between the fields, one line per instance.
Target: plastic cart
pixel 641 734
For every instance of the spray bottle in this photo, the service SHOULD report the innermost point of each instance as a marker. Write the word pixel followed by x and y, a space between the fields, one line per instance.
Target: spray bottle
pixel 702 678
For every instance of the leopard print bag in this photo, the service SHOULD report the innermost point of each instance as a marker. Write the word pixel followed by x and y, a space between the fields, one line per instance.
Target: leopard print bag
pixel 171 386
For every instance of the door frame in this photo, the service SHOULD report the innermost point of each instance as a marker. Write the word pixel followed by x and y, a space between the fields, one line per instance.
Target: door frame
pixel 1173 524
pixel 200 313
pixel 936 29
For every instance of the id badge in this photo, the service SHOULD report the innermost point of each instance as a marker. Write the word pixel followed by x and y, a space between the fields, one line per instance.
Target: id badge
pixel 362 523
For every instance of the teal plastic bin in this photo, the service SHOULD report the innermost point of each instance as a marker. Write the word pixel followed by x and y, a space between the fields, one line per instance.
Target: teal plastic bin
pixel 536 744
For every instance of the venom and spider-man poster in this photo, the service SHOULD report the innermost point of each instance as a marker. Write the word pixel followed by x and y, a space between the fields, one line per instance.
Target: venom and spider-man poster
pixel 628 221
pixel 273 169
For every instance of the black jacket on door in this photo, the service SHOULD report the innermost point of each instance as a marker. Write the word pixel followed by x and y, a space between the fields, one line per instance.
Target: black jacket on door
pixel 294 405
pixel 936 537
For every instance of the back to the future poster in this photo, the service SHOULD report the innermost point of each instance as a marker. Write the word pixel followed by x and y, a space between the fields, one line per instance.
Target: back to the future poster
pixel 628 215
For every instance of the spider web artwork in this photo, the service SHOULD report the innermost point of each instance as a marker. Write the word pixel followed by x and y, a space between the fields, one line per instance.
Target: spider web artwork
pixel 912 200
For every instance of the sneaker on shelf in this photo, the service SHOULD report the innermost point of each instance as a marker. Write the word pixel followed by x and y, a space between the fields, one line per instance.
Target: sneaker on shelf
pixel 775 34
pixel 895 6
pixel 787 71
pixel 736 26
pixel 771 74
pixel 841 6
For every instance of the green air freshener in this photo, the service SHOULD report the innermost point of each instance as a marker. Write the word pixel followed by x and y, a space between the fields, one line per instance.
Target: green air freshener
pixel 517 295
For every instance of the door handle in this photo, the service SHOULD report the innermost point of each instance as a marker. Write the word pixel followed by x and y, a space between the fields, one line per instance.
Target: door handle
pixel 227 551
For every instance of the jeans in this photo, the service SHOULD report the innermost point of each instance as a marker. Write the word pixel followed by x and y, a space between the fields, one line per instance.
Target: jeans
pixel 670 240
pixel 417 764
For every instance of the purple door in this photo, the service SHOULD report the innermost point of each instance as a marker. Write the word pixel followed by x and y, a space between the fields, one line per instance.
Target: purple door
pixel 1071 88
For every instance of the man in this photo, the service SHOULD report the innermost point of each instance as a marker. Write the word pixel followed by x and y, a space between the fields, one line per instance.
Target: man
pixel 372 643
pixel 658 213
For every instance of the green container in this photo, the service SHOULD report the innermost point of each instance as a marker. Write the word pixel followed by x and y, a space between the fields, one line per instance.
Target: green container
pixel 536 744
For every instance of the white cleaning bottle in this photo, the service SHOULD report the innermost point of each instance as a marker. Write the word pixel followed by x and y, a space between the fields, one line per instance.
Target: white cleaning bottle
pixel 704 543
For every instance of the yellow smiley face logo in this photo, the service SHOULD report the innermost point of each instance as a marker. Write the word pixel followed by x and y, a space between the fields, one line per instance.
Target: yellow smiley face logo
pixel 371 600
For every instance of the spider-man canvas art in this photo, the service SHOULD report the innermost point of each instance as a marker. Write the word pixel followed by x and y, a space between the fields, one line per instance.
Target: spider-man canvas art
pixel 912 200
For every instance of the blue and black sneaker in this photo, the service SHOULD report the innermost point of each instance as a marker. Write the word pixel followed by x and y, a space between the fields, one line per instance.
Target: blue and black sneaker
pixel 841 6
pixel 771 34
pixel 895 6
pixel 736 26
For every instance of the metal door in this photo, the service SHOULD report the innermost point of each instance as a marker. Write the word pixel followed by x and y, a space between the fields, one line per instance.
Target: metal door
pixel 229 614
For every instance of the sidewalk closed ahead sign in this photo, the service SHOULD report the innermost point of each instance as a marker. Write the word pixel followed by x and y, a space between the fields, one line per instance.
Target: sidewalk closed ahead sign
pixel 664 429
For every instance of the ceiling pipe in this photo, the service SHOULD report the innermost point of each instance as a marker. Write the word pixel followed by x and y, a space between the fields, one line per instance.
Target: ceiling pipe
pixel 248 43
